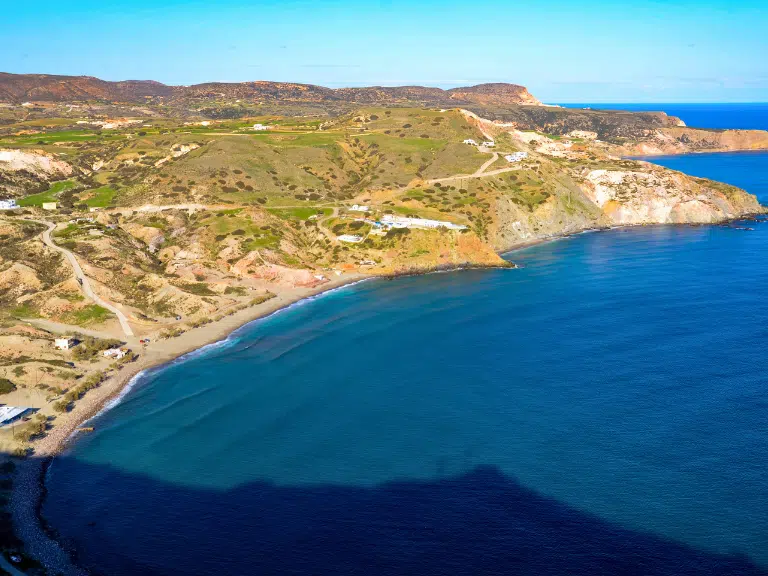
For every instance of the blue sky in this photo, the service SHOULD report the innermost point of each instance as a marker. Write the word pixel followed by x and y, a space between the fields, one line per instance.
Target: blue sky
pixel 563 51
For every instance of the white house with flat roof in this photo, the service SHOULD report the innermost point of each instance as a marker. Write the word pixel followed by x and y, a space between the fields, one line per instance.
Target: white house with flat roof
pixel 392 221
pixel 516 156
pixel 470 142
pixel 10 413
pixel 489 144
pixel 260 127
pixel 359 208
pixel 8 204
pixel 63 343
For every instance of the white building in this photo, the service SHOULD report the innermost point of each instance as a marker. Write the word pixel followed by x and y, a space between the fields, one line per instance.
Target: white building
pixel 391 221
pixel 10 413
pixel 8 205
pixel 49 205
pixel 63 343
pixel 260 127
pixel 489 144
pixel 516 156
pixel 359 208
pixel 353 238
pixel 470 142
pixel 116 353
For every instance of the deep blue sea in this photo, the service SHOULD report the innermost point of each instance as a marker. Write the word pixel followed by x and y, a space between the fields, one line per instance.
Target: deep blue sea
pixel 601 410
pixel 752 115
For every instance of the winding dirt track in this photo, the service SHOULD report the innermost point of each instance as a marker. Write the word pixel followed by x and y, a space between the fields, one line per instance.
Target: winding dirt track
pixel 82 279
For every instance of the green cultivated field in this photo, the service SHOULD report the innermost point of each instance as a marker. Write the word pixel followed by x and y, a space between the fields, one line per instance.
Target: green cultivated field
pixel 99 197
pixel 47 196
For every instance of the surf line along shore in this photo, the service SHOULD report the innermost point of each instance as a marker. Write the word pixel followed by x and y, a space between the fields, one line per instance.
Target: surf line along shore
pixel 28 487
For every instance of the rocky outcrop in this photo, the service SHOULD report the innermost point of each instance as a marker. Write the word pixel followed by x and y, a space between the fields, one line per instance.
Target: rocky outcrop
pixel 658 196
pixel 24 171
pixel 686 140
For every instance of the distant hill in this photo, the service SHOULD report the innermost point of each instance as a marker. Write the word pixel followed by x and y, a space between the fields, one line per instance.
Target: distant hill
pixel 19 88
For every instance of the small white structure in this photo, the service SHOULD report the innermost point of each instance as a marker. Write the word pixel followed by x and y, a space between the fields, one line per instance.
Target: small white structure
pixel 63 343
pixel 8 205
pixel 470 142
pixel 49 205
pixel 10 413
pixel 516 156
pixel 359 208
pixel 27 105
pixel 489 144
pixel 353 238
pixel 260 127
pixel 116 353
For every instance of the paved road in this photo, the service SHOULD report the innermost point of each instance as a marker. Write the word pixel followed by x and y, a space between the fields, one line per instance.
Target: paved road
pixel 85 285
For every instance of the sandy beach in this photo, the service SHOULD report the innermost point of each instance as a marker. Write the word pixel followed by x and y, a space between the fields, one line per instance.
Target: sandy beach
pixel 28 488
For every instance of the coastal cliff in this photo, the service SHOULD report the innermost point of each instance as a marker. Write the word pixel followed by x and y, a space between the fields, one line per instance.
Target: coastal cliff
pixel 687 140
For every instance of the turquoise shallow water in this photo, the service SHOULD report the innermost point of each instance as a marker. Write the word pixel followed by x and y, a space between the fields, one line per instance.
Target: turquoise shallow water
pixel 601 410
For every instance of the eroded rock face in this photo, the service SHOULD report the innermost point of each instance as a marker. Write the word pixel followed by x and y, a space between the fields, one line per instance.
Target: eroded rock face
pixel 22 171
pixel 680 140
pixel 658 197
pixel 253 266
pixel 32 161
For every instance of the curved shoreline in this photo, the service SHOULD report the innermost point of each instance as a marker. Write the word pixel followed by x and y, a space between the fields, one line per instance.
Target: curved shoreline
pixel 29 486
pixel 29 482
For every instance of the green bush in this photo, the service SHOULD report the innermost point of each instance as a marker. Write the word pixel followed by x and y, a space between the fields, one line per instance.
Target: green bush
pixel 6 386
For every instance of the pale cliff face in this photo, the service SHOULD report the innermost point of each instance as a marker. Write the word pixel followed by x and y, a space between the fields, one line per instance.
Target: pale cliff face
pixel 23 170
pixel 682 140
pixel 658 197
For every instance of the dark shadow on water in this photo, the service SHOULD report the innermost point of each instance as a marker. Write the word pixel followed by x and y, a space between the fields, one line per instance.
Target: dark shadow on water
pixel 482 522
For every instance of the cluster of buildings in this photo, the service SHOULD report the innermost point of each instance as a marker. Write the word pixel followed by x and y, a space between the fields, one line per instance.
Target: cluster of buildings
pixel 8 205
pixel 391 221
pixel 516 156
pixel 260 127
pixel 69 343
pixel 486 144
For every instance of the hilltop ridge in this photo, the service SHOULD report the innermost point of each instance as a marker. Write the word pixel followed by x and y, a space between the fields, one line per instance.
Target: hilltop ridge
pixel 17 88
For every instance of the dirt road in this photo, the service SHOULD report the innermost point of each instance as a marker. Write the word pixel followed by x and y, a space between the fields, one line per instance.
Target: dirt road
pixel 82 279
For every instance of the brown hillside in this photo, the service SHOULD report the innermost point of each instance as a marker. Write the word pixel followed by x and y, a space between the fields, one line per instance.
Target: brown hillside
pixel 18 88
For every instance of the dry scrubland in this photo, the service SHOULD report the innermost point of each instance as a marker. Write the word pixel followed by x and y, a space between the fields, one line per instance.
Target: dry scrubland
pixel 181 217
